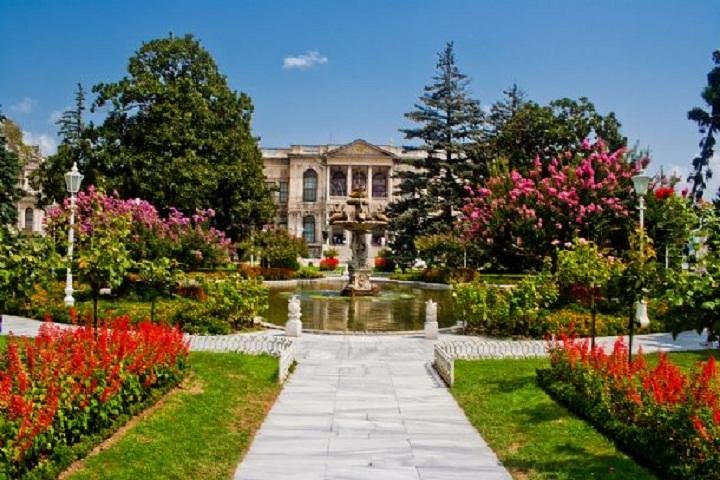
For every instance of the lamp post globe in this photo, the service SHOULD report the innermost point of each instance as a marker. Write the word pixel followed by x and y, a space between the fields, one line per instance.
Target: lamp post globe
pixel 73 179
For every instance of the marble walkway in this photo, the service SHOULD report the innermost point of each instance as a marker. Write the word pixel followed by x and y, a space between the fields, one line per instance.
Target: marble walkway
pixel 370 407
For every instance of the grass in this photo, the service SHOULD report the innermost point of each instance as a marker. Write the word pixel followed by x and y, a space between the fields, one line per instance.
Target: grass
pixel 202 431
pixel 533 436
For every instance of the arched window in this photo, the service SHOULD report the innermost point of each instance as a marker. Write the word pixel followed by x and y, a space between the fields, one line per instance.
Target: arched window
pixel 310 182
pixel 379 185
pixel 309 229
pixel 29 219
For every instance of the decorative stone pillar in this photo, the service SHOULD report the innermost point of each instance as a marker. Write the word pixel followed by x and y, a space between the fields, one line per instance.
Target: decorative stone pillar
pixel 431 324
pixel 369 182
pixel 348 187
pixel 293 327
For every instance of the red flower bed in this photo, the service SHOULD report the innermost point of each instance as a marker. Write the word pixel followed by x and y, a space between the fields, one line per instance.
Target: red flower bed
pixel 67 384
pixel 668 420
pixel 329 263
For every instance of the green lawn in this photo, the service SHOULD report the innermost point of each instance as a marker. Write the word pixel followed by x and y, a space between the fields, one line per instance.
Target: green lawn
pixel 200 432
pixel 535 437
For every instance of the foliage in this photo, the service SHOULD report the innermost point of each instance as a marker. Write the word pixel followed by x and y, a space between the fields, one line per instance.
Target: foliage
pixel 10 168
pixel 557 321
pixel 156 278
pixel 384 261
pixel 670 220
pixel 636 404
pixel 67 384
pixel 331 253
pixel 708 123
pixel 446 250
pixel 518 219
pixel 196 432
pixel 276 248
pixel 329 263
pixel 514 311
pixel 190 241
pixel 25 261
pixel 449 121
pixel 520 130
pixel 693 297
pixel 75 147
pixel 309 272
pixel 533 436
pixel 177 135
pixel 232 304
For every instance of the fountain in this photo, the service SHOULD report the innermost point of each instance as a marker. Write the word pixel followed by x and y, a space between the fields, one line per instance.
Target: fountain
pixel 360 222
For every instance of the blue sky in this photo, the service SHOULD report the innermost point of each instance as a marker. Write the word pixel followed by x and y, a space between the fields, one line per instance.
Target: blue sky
pixel 368 60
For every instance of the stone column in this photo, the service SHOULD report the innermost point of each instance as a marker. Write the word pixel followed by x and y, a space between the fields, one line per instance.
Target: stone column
pixel 348 187
pixel 431 324
pixel 369 182
pixel 293 327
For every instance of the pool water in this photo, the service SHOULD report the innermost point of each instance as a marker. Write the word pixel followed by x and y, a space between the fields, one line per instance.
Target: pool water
pixel 396 308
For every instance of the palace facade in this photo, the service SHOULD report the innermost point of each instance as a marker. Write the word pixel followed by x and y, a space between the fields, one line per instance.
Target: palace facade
pixel 314 180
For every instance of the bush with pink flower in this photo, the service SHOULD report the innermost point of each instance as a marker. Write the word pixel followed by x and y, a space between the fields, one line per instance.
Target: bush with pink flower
pixel 190 240
pixel 519 218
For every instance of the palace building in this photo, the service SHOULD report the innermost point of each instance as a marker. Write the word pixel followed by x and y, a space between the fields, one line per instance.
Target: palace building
pixel 314 180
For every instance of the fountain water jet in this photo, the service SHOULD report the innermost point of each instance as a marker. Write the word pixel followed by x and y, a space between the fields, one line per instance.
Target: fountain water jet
pixel 359 223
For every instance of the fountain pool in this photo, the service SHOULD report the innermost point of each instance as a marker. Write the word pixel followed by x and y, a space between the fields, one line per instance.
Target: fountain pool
pixel 396 307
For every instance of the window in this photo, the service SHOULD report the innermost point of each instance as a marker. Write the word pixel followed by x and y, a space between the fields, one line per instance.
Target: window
pixel 309 229
pixel 283 192
pixel 338 182
pixel 379 185
pixel 310 181
pixel 29 219
pixel 337 236
pixel 359 179
pixel 378 239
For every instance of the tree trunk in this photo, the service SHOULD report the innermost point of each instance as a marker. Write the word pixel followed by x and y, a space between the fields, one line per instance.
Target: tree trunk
pixel 96 295
pixel 593 314
pixel 630 329
pixel 152 310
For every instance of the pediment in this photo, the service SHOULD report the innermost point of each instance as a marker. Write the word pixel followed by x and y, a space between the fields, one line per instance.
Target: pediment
pixel 358 148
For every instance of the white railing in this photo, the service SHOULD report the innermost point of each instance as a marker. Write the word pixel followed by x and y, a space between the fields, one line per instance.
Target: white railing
pixel 281 348
pixel 447 352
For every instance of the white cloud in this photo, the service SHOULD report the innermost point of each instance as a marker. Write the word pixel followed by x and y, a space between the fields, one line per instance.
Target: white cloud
pixel 24 106
pixel 54 116
pixel 46 142
pixel 306 60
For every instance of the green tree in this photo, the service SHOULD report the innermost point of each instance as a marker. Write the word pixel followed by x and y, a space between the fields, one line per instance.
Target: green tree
pixel 75 147
pixel 585 264
pixel 521 130
pixel 449 124
pixel 10 168
pixel 157 278
pixel 708 122
pixel 178 136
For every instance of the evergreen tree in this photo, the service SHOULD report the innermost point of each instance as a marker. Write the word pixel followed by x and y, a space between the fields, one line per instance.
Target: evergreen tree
pixel 450 123
pixel 178 136
pixel 708 122
pixel 10 168
pixel 75 146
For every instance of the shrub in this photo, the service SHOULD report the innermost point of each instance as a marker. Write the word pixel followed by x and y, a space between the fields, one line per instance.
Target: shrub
pixel 231 304
pixel 384 261
pixel 329 263
pixel 331 253
pixel 515 311
pixel 308 272
pixel 67 384
pixel 276 248
pixel 666 419
pixel 435 275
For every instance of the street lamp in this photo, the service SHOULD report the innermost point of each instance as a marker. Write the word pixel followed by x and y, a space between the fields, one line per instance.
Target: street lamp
pixel 73 178
pixel 640 184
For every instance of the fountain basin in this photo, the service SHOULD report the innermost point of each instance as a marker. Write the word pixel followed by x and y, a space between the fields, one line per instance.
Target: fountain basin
pixel 394 308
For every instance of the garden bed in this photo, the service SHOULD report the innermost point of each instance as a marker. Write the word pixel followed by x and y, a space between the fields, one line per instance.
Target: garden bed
pixel 535 437
pixel 202 430
pixel 667 417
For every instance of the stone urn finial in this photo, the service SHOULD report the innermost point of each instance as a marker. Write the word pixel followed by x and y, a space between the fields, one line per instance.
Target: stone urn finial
pixel 293 327
pixel 431 324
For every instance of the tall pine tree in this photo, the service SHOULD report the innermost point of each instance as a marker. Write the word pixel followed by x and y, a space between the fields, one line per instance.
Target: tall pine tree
pixel 75 146
pixel 708 122
pixel 10 168
pixel 432 192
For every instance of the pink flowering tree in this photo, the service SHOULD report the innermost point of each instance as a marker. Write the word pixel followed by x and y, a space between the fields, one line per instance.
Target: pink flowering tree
pixel 189 240
pixel 518 219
